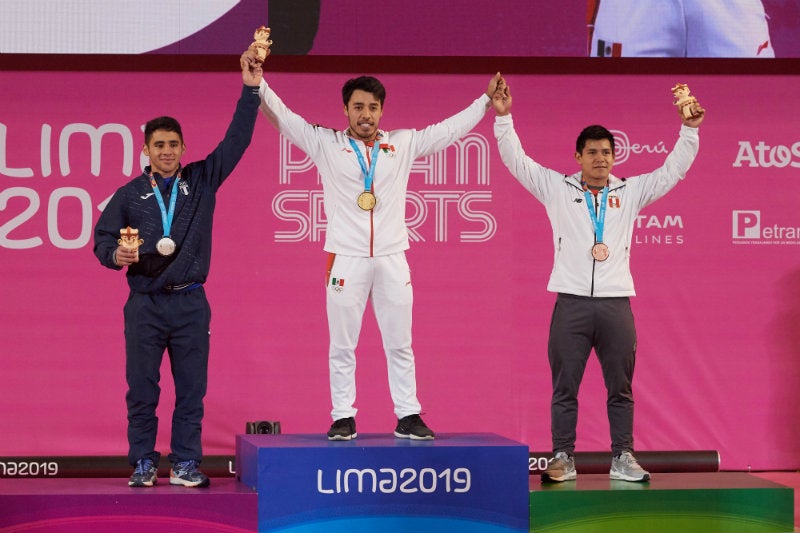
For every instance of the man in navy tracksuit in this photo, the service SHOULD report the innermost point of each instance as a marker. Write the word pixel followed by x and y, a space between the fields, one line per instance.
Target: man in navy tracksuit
pixel 172 207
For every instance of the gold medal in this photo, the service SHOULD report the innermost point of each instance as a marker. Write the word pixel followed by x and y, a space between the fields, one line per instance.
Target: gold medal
pixel 366 201
pixel 600 251
pixel 165 246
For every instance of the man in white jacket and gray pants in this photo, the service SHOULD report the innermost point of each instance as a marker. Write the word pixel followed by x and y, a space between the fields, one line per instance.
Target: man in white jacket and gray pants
pixel 592 214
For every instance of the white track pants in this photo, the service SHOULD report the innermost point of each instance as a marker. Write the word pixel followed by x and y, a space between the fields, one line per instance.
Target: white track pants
pixel 387 281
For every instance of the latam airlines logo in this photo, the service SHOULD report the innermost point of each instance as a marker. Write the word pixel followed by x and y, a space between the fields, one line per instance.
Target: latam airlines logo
pixel 748 228
pixel 659 230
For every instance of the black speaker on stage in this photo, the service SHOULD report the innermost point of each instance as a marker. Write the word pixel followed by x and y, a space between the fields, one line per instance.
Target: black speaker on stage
pixel 264 427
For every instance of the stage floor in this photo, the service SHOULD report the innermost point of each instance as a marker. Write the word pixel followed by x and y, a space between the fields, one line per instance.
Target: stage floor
pixel 227 505
pixel 730 502
pixel 108 505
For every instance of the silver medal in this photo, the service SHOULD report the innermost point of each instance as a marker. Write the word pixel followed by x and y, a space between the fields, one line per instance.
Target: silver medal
pixel 165 246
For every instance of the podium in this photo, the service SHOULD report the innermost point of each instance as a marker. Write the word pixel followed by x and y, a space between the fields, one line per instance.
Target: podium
pixel 464 482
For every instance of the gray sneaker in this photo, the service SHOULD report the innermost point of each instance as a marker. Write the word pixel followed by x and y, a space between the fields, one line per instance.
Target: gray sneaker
pixel 560 468
pixel 625 467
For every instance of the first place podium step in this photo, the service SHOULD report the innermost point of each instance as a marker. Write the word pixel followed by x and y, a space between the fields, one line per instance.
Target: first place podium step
pixel 460 482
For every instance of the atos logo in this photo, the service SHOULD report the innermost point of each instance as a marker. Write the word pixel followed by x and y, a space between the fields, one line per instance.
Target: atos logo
pixel 623 147
pixel 765 156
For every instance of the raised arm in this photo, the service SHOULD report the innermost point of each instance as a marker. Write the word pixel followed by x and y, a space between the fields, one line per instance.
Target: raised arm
pixel 442 134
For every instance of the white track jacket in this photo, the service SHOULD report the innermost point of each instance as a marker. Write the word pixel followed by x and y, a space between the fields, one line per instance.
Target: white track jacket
pixel 352 231
pixel 574 269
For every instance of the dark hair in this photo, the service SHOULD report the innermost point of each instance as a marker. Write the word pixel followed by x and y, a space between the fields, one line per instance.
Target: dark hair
pixel 364 83
pixel 594 132
pixel 161 123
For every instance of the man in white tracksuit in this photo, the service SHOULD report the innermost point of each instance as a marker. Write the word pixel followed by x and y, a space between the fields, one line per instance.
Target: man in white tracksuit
pixel 592 214
pixel 678 28
pixel 365 174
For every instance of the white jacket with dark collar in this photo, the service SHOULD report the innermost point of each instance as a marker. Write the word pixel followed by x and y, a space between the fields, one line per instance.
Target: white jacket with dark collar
pixel 574 269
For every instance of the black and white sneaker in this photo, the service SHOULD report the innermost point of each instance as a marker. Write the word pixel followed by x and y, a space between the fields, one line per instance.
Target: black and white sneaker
pixel 412 427
pixel 343 429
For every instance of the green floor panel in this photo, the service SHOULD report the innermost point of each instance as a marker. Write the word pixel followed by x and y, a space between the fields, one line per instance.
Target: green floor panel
pixel 729 502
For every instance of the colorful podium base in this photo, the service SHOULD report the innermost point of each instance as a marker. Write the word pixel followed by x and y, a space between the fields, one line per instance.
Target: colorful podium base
pixel 729 502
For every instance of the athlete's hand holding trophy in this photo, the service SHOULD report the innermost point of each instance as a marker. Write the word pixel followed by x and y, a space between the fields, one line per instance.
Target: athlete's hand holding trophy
pixel 128 251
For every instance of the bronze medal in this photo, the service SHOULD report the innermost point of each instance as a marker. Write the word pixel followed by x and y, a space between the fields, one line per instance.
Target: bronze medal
pixel 366 201
pixel 600 252
pixel 165 246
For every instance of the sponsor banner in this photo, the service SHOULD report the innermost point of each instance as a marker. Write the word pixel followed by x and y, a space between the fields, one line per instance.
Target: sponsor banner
pixel 714 263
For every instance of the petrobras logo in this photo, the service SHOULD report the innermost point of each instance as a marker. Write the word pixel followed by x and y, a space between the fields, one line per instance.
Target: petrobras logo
pixel 623 147
pixel 664 230
pixel 750 228
pixel 763 155
pixel 746 225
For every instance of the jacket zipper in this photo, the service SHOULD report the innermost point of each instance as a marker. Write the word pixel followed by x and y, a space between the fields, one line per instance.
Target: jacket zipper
pixel 371 211
pixel 594 261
